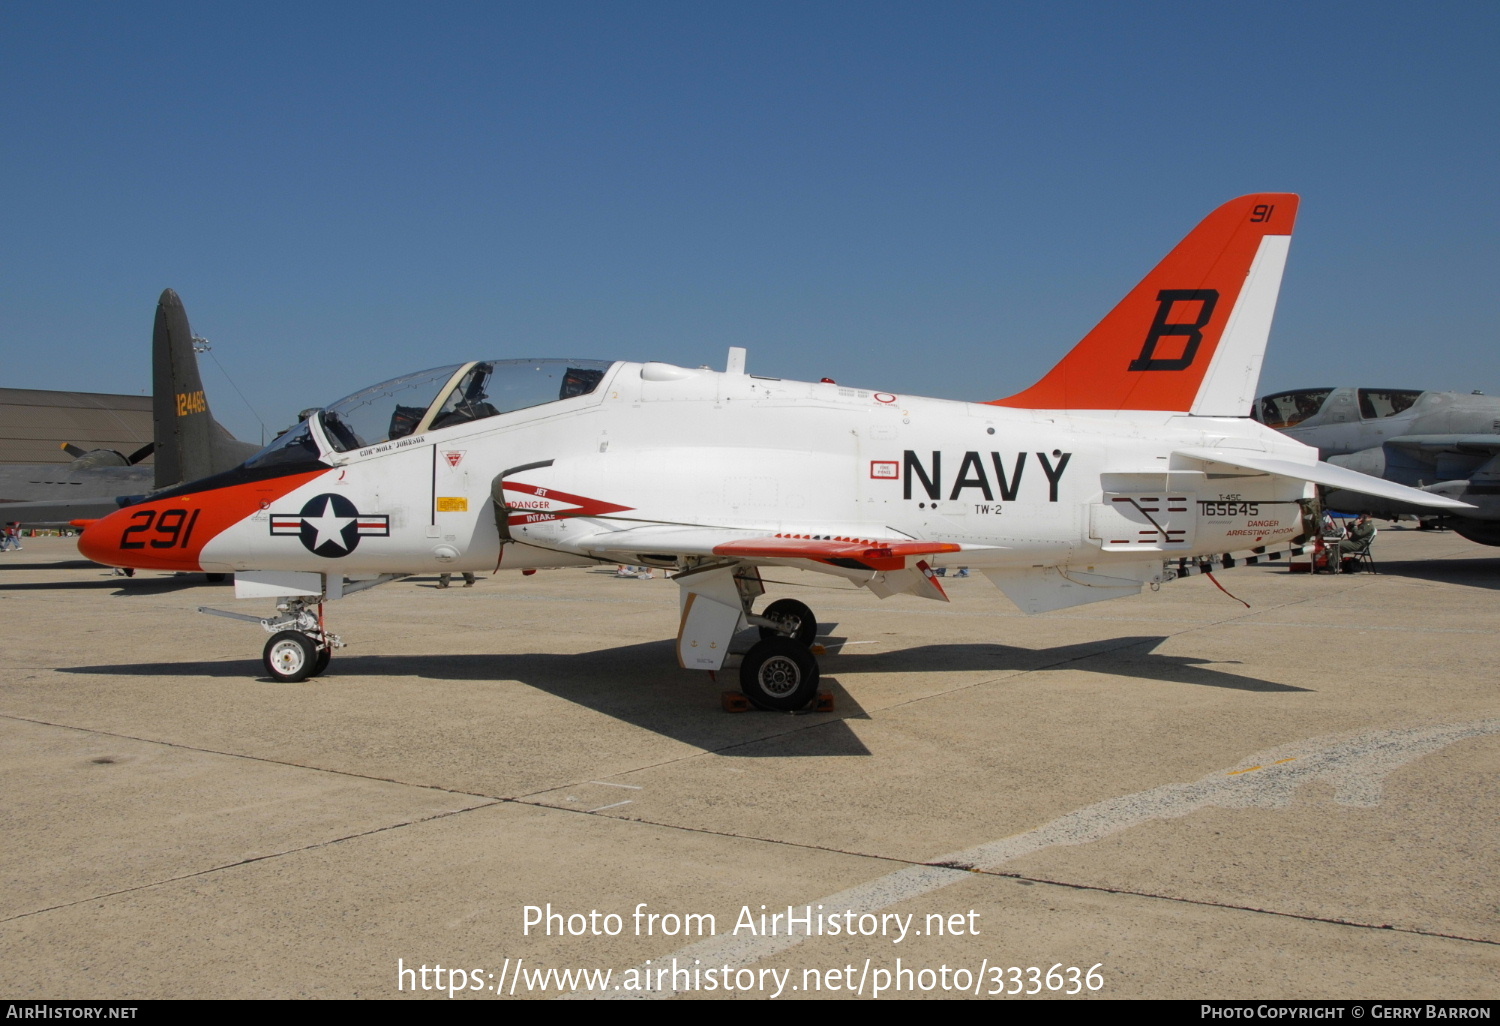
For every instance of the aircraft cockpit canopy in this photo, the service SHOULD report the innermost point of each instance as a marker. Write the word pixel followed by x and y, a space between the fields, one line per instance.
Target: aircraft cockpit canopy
pixel 1288 409
pixel 446 396
pixel 432 400
pixel 1385 402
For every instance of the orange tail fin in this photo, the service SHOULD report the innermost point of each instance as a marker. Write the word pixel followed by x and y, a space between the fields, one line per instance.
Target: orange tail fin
pixel 1189 337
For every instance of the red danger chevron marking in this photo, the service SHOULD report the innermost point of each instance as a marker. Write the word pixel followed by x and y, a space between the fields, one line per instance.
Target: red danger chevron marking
pixel 582 506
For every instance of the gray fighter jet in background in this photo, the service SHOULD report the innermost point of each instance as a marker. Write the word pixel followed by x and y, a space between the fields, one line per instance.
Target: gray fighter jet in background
pixel 189 444
pixel 1447 443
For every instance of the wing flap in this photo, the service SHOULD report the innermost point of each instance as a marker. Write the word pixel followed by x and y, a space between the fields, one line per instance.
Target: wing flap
pixel 844 552
pixel 850 553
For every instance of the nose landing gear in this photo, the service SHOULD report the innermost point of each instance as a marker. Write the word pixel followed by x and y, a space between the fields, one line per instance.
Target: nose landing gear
pixel 300 647
pixel 301 643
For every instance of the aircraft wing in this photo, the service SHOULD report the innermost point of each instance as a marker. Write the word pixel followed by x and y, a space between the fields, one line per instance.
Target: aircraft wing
pixel 1323 474
pixel 841 551
pixel 56 512
pixel 885 566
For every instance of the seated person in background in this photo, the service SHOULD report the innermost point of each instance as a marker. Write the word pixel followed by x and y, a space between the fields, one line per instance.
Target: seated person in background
pixel 1360 533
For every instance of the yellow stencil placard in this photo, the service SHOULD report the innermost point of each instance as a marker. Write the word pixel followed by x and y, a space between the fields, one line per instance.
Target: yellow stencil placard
pixel 452 504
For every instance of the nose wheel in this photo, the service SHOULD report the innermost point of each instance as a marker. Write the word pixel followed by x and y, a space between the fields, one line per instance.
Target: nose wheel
pixel 292 656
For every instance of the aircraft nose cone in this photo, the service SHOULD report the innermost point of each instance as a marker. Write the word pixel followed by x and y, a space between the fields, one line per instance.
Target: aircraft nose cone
pixel 100 541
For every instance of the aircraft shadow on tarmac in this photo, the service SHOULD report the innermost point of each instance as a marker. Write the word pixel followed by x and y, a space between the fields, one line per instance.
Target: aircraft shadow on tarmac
pixel 123 586
pixel 1476 572
pixel 1123 657
pixel 51 564
pixel 637 684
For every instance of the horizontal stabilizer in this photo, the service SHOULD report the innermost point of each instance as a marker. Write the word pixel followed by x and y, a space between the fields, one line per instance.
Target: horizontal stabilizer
pixel 56 512
pixel 1324 474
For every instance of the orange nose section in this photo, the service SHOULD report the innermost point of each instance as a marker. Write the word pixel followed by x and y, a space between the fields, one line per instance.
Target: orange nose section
pixel 153 536
pixel 169 533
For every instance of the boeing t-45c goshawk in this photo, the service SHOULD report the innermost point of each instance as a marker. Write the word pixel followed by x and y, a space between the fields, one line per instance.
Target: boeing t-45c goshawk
pixel 1133 461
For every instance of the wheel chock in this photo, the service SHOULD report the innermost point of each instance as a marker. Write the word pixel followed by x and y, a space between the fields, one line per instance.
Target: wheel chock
pixel 733 701
pixel 818 650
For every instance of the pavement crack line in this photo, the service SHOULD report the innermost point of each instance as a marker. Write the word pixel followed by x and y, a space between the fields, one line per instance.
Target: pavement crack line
pixel 1233 907
pixel 1356 766
pixel 255 758
pixel 251 861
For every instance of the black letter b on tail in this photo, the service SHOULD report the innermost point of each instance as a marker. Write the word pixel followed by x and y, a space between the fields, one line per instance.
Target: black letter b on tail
pixel 1161 327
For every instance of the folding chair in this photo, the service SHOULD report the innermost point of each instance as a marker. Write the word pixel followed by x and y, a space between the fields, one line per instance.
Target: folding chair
pixel 1361 556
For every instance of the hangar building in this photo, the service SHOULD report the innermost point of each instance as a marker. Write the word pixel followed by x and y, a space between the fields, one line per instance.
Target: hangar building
pixel 35 423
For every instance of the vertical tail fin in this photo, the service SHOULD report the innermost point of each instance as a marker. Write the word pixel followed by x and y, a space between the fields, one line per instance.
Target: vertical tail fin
pixel 1190 337
pixel 190 444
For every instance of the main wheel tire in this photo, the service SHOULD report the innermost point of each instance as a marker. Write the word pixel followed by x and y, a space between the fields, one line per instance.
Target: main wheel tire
pixel 320 664
pixel 779 673
pixel 796 619
pixel 290 656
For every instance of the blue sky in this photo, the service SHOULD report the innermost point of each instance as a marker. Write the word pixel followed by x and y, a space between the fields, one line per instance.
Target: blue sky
pixel 932 199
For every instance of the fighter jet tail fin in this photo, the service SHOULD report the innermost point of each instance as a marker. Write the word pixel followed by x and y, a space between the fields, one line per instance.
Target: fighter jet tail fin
pixel 1190 337
pixel 190 444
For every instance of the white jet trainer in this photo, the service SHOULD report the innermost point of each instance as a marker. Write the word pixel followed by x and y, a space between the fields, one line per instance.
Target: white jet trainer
pixel 1133 461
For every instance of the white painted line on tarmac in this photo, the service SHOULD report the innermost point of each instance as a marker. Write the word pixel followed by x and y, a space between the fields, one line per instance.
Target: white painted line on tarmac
pixel 612 805
pixel 1355 766
pixel 606 783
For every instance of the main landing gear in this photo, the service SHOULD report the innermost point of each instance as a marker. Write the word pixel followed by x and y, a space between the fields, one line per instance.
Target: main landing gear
pixel 779 671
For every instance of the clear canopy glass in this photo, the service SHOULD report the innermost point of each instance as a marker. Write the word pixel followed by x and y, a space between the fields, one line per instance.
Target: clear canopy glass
pixel 295 445
pixel 1287 409
pixel 444 397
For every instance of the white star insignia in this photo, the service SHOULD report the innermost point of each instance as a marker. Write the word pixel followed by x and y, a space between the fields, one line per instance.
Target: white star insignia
pixel 330 528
